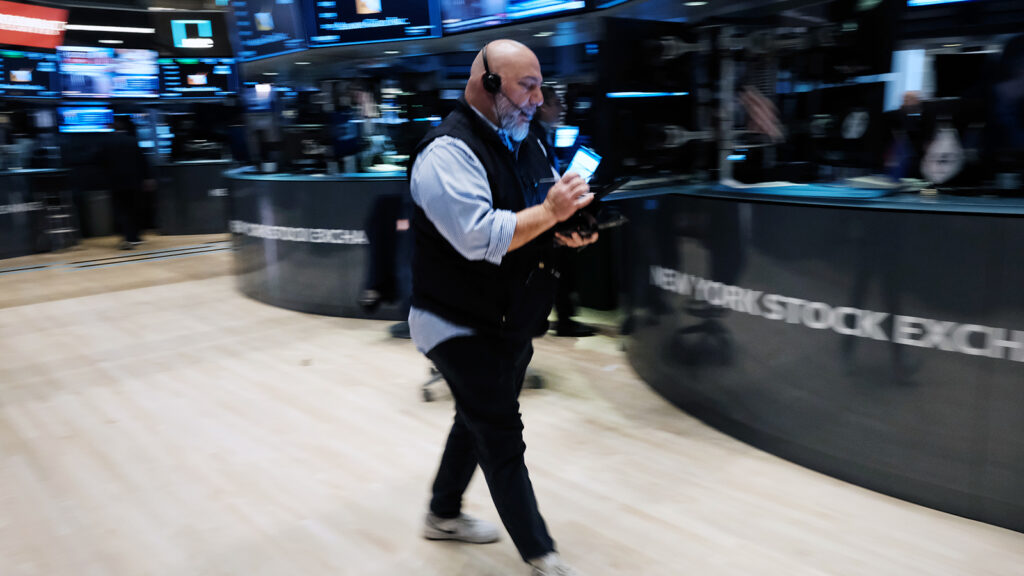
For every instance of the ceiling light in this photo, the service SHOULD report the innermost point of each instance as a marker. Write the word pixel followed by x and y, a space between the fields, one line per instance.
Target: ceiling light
pixel 111 41
pixel 543 34
pixel 950 45
pixel 121 29
pixel 270 73
pixel 696 3
pixel 392 52
pixel 302 63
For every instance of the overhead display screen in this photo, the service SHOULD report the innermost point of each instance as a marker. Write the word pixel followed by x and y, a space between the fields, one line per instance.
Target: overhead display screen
pixel 333 22
pixel 88 72
pixel 933 2
pixel 196 34
pixel 268 27
pixel 463 15
pixel 86 119
pixel 29 74
pixel 197 77
pixel 32 26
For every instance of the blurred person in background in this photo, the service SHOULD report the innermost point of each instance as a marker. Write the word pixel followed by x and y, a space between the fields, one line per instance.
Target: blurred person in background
pixel 1007 124
pixel 545 121
pixel 129 176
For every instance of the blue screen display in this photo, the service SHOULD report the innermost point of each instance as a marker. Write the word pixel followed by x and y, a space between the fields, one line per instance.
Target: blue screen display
pixel 192 34
pixel 197 77
pixel 82 119
pixel 268 27
pixel 462 15
pixel 333 22
pixel 933 2
pixel 88 72
pixel 29 74
pixel 565 136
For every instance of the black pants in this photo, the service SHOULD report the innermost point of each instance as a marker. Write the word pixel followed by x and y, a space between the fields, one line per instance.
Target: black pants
pixel 126 213
pixel 565 309
pixel 485 376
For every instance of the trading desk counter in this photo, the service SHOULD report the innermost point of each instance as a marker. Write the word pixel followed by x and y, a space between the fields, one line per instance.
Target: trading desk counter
pixel 314 243
pixel 24 194
pixel 192 197
pixel 878 339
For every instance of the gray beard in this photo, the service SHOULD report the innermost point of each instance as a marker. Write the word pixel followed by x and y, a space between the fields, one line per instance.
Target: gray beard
pixel 507 114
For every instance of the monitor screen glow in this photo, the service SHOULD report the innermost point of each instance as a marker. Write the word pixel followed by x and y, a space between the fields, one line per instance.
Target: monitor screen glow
pixel 565 136
pixel 268 27
pixel 82 119
pixel 334 22
pixel 197 77
pixel 29 74
pixel 88 72
pixel 933 2
pixel 462 16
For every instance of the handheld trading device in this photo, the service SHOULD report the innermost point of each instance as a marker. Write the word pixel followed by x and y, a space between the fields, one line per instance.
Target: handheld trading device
pixel 584 163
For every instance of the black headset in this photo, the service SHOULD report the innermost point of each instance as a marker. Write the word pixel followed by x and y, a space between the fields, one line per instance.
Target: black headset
pixel 492 82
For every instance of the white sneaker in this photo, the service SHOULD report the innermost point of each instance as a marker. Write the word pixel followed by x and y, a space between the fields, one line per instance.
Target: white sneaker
pixel 464 529
pixel 551 564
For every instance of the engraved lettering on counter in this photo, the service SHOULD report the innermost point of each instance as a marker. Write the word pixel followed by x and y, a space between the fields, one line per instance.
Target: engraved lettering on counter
pixel 311 235
pixel 23 207
pixel 971 339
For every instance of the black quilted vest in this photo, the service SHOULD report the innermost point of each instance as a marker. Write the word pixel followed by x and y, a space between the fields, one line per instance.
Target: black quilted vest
pixel 511 300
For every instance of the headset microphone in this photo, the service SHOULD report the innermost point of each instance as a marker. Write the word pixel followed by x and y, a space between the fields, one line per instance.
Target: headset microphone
pixel 492 83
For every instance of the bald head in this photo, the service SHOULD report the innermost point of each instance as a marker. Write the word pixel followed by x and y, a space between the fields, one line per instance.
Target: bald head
pixel 521 79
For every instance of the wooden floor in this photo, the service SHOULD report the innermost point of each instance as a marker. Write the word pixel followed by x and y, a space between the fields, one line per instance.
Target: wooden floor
pixel 155 422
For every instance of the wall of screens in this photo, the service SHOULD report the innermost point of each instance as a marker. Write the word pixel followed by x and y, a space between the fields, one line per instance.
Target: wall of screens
pixel 335 22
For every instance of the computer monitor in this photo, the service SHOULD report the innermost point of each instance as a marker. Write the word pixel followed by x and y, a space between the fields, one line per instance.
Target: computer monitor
pixel 93 72
pixel 29 74
pixel 463 15
pixel 959 75
pixel 305 148
pixel 565 136
pixel 84 119
pixel 362 21
pixel 847 125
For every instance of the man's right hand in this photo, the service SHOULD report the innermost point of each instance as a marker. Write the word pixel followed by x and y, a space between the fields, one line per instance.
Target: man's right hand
pixel 567 196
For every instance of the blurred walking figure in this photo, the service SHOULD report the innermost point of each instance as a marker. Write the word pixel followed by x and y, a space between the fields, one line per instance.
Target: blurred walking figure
pixel 129 176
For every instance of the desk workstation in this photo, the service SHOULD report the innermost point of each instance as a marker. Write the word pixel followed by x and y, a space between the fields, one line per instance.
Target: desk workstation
pixel 33 216
pixel 192 197
pixel 876 338
pixel 313 243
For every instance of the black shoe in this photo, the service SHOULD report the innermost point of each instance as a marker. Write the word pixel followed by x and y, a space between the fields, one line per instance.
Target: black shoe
pixel 369 300
pixel 574 329
pixel 400 330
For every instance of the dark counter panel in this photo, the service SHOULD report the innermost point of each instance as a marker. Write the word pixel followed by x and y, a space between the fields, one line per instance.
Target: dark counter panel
pixel 35 212
pixel 314 244
pixel 192 198
pixel 881 345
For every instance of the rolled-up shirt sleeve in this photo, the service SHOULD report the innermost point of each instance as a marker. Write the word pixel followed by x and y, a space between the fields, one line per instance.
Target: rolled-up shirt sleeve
pixel 450 184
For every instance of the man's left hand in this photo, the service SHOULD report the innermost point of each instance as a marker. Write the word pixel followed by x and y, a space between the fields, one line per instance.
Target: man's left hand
pixel 575 240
